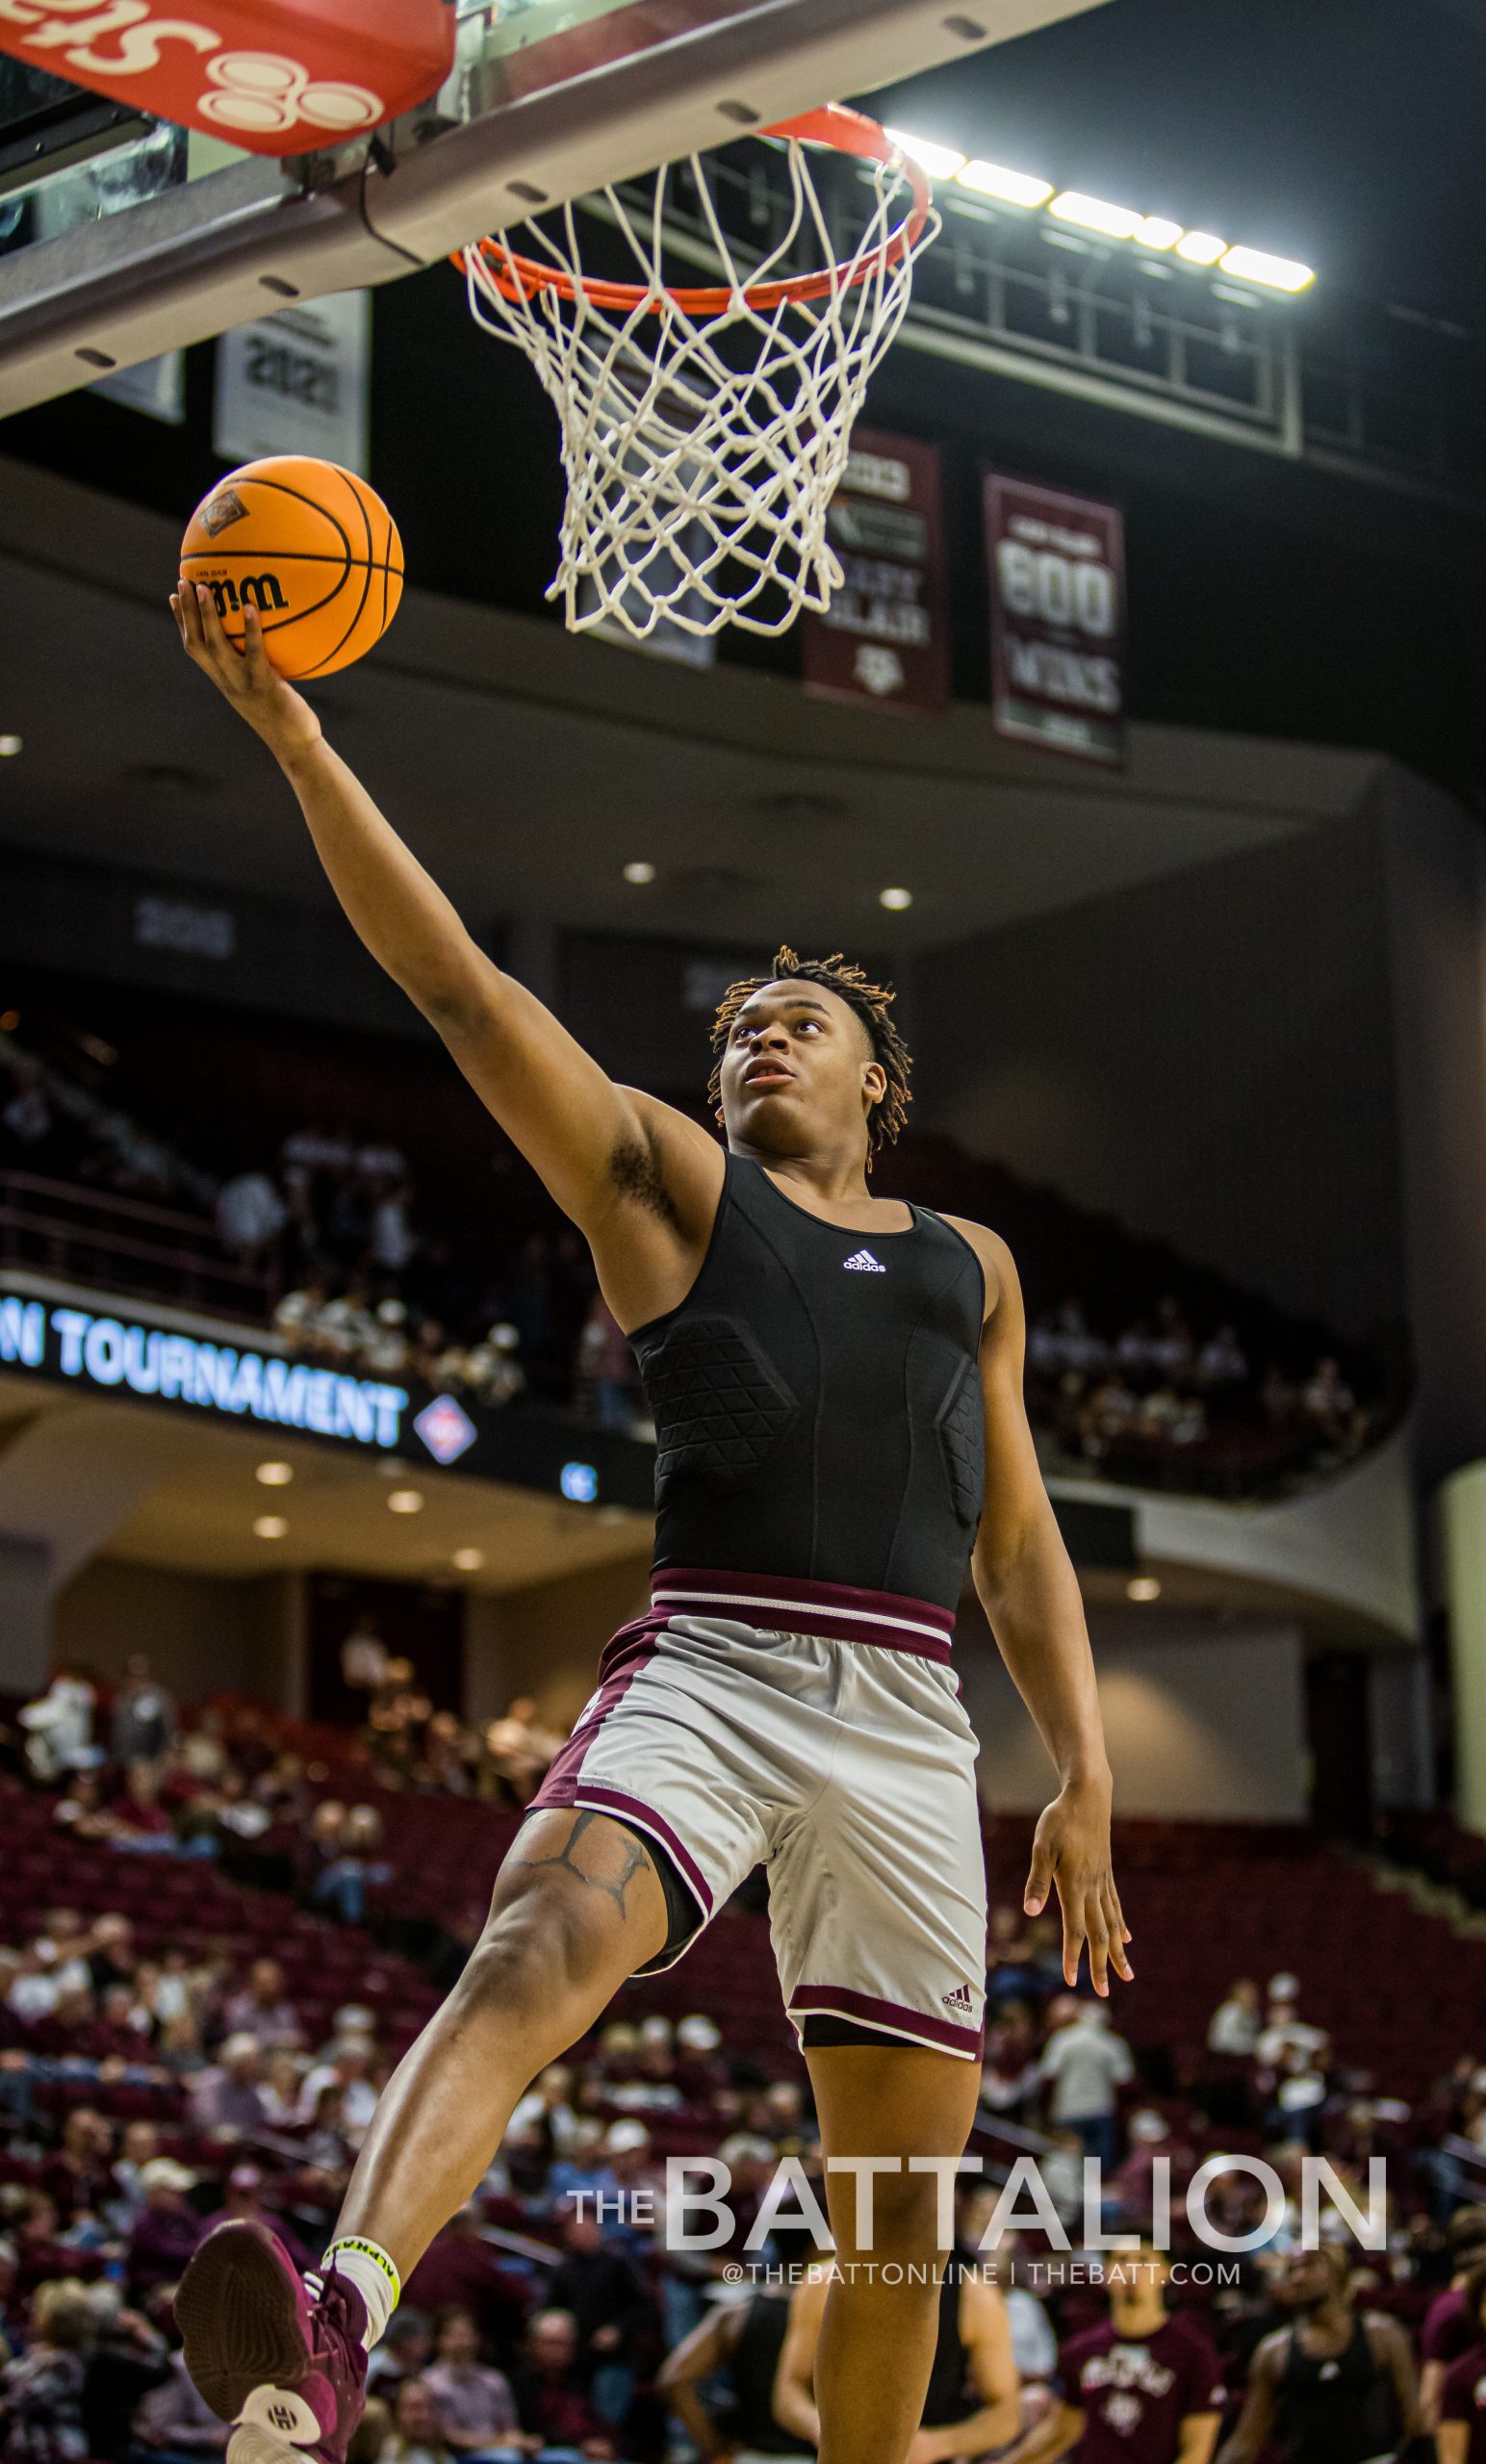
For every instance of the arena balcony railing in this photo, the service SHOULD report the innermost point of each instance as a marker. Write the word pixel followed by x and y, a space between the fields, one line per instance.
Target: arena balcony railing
pixel 125 1245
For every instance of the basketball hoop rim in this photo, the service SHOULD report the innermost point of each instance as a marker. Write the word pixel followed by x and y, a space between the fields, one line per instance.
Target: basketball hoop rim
pixel 832 124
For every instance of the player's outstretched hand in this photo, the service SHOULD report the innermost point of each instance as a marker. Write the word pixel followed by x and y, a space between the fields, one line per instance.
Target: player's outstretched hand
pixel 1071 1850
pixel 246 677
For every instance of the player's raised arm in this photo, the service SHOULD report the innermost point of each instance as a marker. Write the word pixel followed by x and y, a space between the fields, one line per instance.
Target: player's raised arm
pixel 602 1150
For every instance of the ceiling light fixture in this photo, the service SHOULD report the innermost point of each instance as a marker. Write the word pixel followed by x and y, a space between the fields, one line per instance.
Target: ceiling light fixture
pixel 1276 274
pixel 406 1501
pixel 1156 231
pixel 1013 187
pixel 274 1476
pixel 641 875
pixel 10 746
pixel 1093 213
pixel 895 900
pixel 271 1527
pixel 1142 1587
pixel 940 162
pixel 469 1560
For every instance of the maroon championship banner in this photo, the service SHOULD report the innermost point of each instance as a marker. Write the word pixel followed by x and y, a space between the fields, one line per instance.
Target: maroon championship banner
pixel 885 638
pixel 1057 565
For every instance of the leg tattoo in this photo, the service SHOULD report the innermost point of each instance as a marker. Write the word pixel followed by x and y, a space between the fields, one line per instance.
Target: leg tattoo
pixel 635 1859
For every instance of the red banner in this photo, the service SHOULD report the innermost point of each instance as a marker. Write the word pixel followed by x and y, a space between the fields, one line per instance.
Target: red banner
pixel 1057 618
pixel 274 76
pixel 885 638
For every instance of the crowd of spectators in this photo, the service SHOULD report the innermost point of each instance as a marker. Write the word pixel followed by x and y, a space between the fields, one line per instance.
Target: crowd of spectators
pixel 146 2094
pixel 362 1276
pixel 1157 1392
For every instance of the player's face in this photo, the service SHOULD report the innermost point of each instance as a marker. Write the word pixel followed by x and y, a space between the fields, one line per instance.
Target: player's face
pixel 1307 2279
pixel 797 1062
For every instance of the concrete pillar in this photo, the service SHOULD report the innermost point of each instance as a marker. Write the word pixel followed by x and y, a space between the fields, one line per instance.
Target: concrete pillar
pixel 1462 1512
pixel 26 1585
pixel 68 1478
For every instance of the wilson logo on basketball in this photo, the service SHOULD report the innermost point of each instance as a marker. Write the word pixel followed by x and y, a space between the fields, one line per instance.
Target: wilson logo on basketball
pixel 253 590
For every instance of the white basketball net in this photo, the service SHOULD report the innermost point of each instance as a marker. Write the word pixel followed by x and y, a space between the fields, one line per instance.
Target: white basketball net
pixel 702 451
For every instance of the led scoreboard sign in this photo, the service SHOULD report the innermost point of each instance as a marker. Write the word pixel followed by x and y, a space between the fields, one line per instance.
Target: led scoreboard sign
pixel 109 1353
pixel 148 1359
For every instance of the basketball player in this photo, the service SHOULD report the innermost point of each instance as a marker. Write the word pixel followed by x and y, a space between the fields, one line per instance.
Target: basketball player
pixel 1145 2388
pixel 972 2403
pixel 1332 2388
pixel 743 2345
pixel 833 1379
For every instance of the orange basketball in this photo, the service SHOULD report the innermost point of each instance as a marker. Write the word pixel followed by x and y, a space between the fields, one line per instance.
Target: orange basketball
pixel 311 547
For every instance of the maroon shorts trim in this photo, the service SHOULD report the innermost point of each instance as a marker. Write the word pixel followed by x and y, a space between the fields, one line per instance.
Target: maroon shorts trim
pixel 844 2002
pixel 600 1798
pixel 838 1611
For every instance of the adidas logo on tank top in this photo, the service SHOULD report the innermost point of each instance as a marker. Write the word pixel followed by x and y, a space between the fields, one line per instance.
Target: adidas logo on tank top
pixel 865 1262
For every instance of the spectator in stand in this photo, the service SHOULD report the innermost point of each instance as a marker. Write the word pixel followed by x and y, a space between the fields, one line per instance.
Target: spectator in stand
pixel 140 1820
pixel 416 2437
pixel 476 2409
pixel 28 1115
pixel 173 2422
pixel 41 2393
pixel 1452 2324
pixel 1234 2027
pixel 1146 2388
pixel 250 1216
pixel 79 2175
pixel 144 1719
pixel 242 2202
pixel 262 2010
pixel 1330 1408
pixel 226 2101
pixel 1085 2065
pixel 549 2392
pixel 1460 2437
pixel 610 2308
pixel 1171 1345
pixel 404 2351
pixel 1223 1360
pixel 59 1730
pixel 1133 2184
pixel 605 1367
pixel 460 2270
pixel 166 2230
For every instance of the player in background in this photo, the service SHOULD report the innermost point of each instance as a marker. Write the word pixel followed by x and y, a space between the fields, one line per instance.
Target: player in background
pixel 1460 2436
pixel 1145 2388
pixel 1333 2387
pixel 841 1437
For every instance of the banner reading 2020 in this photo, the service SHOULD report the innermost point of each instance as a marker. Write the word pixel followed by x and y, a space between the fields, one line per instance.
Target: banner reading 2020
pixel 1057 618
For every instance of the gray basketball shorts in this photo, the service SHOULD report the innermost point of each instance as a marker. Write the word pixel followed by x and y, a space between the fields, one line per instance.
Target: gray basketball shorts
pixel 816 1730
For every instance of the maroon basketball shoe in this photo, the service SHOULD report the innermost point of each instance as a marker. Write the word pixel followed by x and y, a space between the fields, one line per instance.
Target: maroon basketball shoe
pixel 286 2365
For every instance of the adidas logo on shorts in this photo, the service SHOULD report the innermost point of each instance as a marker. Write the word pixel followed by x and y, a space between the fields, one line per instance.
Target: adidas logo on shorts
pixel 961 2000
pixel 865 1262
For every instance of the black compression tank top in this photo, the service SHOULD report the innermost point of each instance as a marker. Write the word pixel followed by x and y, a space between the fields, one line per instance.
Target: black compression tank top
pixel 817 1402
pixel 1335 2410
pixel 756 2359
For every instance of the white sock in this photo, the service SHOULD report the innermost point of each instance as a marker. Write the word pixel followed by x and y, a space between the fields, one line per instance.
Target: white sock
pixel 367 2267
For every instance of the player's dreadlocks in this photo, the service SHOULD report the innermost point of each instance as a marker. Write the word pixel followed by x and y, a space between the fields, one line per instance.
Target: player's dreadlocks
pixel 873 1005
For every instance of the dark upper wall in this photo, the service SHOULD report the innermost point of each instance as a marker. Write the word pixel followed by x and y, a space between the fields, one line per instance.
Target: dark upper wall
pixel 1265 595
pixel 1208 1058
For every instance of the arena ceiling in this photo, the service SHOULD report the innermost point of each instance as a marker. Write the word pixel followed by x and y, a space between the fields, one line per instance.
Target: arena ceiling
pixel 528 768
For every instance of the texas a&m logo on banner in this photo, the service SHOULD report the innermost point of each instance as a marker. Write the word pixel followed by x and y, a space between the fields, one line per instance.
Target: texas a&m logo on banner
pixel 884 637
pixel 1057 618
